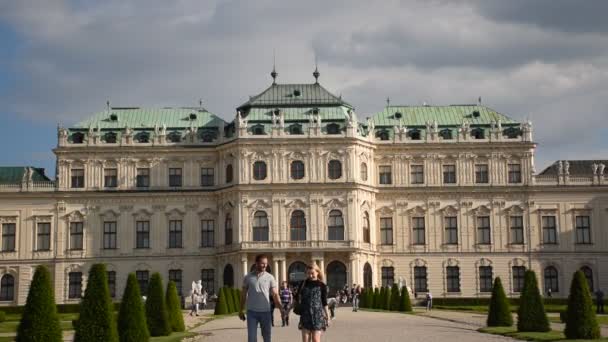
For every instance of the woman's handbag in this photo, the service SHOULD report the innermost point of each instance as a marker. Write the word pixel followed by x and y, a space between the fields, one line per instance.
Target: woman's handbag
pixel 297 305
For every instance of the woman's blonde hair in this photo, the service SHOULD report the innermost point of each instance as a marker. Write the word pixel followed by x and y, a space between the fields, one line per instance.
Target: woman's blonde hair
pixel 315 267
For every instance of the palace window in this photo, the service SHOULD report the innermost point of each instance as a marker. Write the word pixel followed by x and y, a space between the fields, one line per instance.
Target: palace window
pixel 259 170
pixel 388 276
pixel 143 277
pixel 74 285
pixel 298 226
pixel 483 230
pixel 583 230
pixel 385 174
pixel 110 178
pixel 446 134
pixel 297 169
pixel 366 228
pixel 77 178
pixel 453 278
pixel 549 230
pixel 174 137
pixel 295 129
pixel 383 135
pixel 8 237
pixel 207 176
pixel 589 276
pixel 418 231
pixel 485 278
pixel 7 288
pixel 176 277
pixel 175 234
pixel 478 133
pixel 386 230
pixel 335 226
pixel 363 172
pixel 228 230
pixel 517 230
pixel 258 130
pixel 518 278
pixel 514 173
pixel 143 178
pixel 335 169
pixel 551 280
pixel 109 235
pixel 451 230
pixel 208 280
pixel 76 235
pixel 142 234
pixel 112 283
pixel 417 174
pixel 229 173
pixel 449 174
pixel 77 138
pixel 481 174
pixel 142 138
pixel 260 226
pixel 420 279
pixel 333 128
pixel 175 177
pixel 414 134
pixel 43 242
pixel 207 233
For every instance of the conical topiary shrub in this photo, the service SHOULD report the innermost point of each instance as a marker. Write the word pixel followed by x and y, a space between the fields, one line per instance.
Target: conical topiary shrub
pixel 370 298
pixel 229 300
pixel 581 322
pixel 157 316
pixel 220 306
pixel 531 315
pixel 237 299
pixel 132 325
pixel 176 318
pixel 405 304
pixel 375 298
pixel 96 321
pixel 386 304
pixel 395 298
pixel 363 299
pixel 499 311
pixel 40 321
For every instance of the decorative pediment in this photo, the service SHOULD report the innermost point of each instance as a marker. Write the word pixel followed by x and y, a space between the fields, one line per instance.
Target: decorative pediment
pixel 75 216
pixel 418 263
pixel 207 213
pixel 296 155
pixel 8 270
pixel 111 267
pixel 451 262
pixel 142 266
pixel 365 206
pixel 517 262
pixel 175 213
pixel 385 211
pixel 484 262
pixel 514 209
pixel 417 210
pixel 296 204
pixel 449 210
pixel 482 210
pixel 260 204
pixel 109 214
pixel 388 263
pixel 143 214
pixel 42 218
pixel 228 206
pixel 8 219
pixel 73 268
pixel 335 203
pixel 176 265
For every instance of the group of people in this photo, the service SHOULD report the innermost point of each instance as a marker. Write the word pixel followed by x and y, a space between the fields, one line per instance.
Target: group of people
pixel 261 296
pixel 198 296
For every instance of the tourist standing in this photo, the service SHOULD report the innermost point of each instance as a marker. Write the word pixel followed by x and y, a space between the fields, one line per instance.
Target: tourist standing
pixel 258 287
pixel 356 293
pixel 314 313
pixel 599 301
pixel 429 301
pixel 331 304
pixel 204 299
pixel 195 297
pixel 286 301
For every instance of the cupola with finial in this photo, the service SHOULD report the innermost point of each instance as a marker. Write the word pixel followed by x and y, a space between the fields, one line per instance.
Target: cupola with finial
pixel 316 75
pixel 274 75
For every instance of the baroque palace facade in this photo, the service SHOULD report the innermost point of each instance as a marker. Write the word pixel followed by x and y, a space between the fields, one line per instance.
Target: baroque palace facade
pixel 441 198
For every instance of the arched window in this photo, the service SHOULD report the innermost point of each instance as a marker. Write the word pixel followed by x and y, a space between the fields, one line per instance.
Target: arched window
pixel 297 169
pixel 229 173
pixel 260 226
pixel 334 169
pixel 333 128
pixel 367 276
pixel 259 170
pixel 228 229
pixel 366 228
pixel 258 130
pixel 363 172
pixel 296 272
pixel 336 276
pixel 335 226
pixel 228 276
pixel 77 138
pixel 478 133
pixel 298 226
pixel 589 276
pixel 446 134
pixel 142 137
pixel 551 282
pixel 7 288
pixel 382 135
pixel 295 129
pixel 110 138
pixel 414 134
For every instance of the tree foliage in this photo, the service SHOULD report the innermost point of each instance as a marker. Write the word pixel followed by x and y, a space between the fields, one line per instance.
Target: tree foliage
pixel 132 326
pixel 176 318
pixel 581 322
pixel 157 316
pixel 531 315
pixel 499 310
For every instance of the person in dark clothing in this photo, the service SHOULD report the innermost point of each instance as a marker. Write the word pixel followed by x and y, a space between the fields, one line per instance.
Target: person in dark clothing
pixel 314 313
pixel 286 299
pixel 599 301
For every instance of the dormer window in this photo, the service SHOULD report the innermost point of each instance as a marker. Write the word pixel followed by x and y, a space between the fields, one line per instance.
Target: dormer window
pixel 143 137
pixel 382 135
pixel 511 133
pixel 446 134
pixel 297 93
pixel 113 117
pixel 174 137
pixel 295 129
pixel 208 137
pixel 398 115
pixel 414 134
pixel 258 130
pixel 192 116
pixel 333 128
pixel 110 138
pixel 478 133
pixel 77 138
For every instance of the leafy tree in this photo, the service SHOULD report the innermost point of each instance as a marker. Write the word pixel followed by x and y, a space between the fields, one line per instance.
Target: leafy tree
pixel 405 304
pixel 581 322
pixel 96 321
pixel 220 306
pixel 40 321
pixel 531 315
pixel 395 298
pixel 157 316
pixel 176 319
pixel 499 311
pixel 132 325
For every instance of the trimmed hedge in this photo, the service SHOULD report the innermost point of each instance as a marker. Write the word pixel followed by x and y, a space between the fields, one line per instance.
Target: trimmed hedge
pixel 40 321
pixel 405 304
pixel 363 299
pixel 386 305
pixel 499 310
pixel 221 307
pixel 237 299
pixel 377 300
pixel 157 316
pixel 2 316
pixel 96 321
pixel 581 322
pixel 395 298
pixel 531 315
pixel 176 318
pixel 132 325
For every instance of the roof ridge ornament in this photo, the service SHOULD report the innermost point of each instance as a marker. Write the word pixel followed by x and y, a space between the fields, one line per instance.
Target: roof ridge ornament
pixel 274 72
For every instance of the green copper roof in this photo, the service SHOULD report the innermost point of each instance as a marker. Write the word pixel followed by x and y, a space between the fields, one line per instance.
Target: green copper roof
pixel 14 174
pixel 294 95
pixel 119 118
pixel 453 115
pixel 299 113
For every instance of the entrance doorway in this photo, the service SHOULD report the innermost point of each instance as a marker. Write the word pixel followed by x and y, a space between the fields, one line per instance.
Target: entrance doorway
pixel 367 276
pixel 336 276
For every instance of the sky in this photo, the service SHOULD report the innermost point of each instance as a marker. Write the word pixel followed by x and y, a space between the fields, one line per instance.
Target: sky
pixel 543 60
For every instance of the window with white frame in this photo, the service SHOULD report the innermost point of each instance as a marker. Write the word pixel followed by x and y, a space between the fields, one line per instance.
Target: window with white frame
pixel 8 237
pixel 583 229
pixel 449 174
pixel 418 231
pixel 453 279
pixel 385 174
pixel 549 230
pixel 207 176
pixel 386 230
pixel 142 234
pixel 207 233
pixel 109 235
pixel 451 230
pixel 417 174
pixel 483 230
pixel 485 278
pixel 43 240
pixel 76 235
pixel 175 234
pixel 517 230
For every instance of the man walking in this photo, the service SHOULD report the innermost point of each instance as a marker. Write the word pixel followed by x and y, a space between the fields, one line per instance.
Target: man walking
pixel 286 300
pixel 258 287
pixel 356 293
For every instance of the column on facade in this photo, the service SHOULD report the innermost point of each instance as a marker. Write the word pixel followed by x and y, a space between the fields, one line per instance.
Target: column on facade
pixel 352 274
pixel 284 270
pixel 244 265
pixel 275 269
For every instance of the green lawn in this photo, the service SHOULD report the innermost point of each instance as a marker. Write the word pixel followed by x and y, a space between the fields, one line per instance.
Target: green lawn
pixel 529 336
